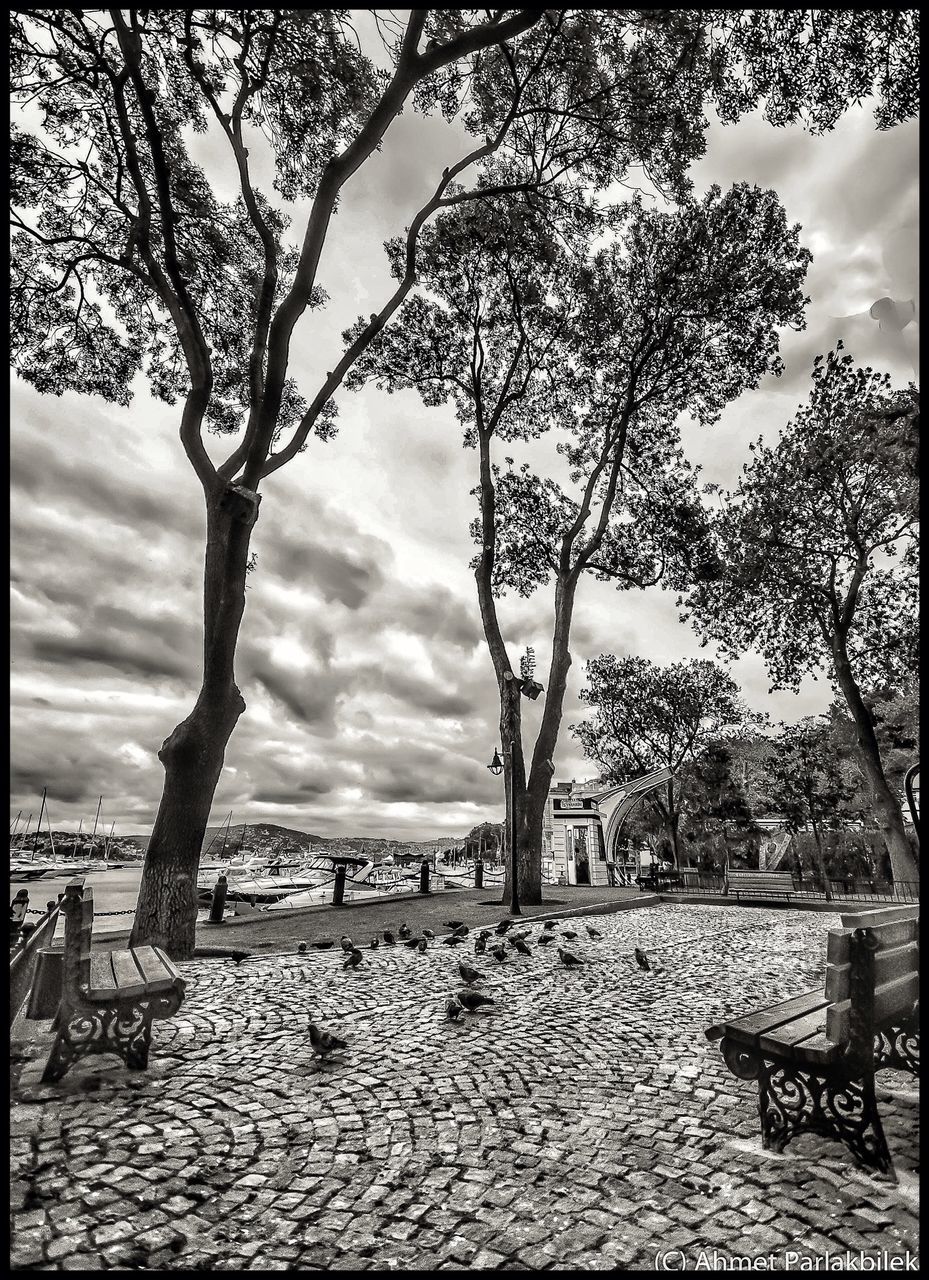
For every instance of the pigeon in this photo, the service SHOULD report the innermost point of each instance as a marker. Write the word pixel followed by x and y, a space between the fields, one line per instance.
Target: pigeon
pixel 504 925
pixel 412 943
pixel 353 960
pixel 421 946
pixel 324 1043
pixel 375 943
pixel 389 938
pixel 427 933
pixel 641 960
pixel 498 952
pixel 301 947
pixel 546 938
pixel 485 934
pixel 347 944
pixel 453 924
pixel 568 933
pixel 480 946
pixel 452 940
pixel 472 1000
pixel 550 924
pixel 568 959
pixel 468 974
pixel 404 931
pixel 593 933
pixel 453 1010
pixel 519 944
pixel 461 931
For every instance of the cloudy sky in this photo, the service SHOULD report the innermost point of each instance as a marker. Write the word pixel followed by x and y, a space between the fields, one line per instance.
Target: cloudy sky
pixel 371 697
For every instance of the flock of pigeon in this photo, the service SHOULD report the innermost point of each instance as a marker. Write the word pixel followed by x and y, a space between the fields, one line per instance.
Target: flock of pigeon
pixel 466 1000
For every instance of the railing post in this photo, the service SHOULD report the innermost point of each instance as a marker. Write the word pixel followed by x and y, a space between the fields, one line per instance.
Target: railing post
pixel 424 877
pixel 338 888
pixel 479 874
pixel 218 901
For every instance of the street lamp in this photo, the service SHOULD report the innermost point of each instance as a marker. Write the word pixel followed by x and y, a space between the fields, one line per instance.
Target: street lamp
pixel 496 768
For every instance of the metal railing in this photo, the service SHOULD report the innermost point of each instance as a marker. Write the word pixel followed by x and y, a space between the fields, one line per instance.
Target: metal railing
pixel 868 890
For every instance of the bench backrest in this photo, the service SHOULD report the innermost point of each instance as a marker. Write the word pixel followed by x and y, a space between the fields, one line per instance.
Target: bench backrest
pixel 761 879
pixel 879 915
pixel 78 909
pixel 876 991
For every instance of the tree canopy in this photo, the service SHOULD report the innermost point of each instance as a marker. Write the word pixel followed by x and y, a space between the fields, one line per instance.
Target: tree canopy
pixel 818 553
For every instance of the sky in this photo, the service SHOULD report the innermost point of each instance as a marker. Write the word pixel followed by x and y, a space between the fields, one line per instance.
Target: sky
pixel 371 700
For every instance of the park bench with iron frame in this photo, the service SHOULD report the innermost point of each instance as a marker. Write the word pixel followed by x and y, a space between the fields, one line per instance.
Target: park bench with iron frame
pixel 109 998
pixel 815 1056
pixel 760 884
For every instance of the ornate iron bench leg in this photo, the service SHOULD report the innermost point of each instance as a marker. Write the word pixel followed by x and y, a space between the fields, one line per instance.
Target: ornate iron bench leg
pixel 793 1100
pixel 897 1047
pixel 60 1060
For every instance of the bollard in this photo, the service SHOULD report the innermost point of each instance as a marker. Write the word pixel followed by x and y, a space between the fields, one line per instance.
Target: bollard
pixel 18 908
pixel 479 874
pixel 338 889
pixel 218 901
pixel 424 877
pixel 47 985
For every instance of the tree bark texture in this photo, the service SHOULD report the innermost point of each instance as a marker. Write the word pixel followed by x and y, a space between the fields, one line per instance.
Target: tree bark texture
pixel 887 809
pixel 193 754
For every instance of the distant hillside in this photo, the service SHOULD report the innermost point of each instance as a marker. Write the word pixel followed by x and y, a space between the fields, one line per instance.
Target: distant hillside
pixel 266 838
pixel 259 836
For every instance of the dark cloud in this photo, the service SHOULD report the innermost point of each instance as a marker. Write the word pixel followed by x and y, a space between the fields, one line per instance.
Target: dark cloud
pixel 110 651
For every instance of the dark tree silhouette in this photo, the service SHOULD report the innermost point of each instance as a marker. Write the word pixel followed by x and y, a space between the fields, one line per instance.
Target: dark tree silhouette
pixel 819 549
pixel 125 258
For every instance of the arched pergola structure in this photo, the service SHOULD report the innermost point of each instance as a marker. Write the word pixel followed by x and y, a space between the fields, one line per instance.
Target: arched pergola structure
pixel 617 804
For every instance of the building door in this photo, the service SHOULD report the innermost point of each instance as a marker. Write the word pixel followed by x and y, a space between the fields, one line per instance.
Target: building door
pixel 581 856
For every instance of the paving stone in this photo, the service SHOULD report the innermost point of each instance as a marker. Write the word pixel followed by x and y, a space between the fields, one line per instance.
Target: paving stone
pixel 581 1124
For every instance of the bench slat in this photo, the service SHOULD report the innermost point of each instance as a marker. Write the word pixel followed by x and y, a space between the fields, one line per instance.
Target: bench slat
pixel 747 1030
pixel 803 1039
pixel 101 981
pixel 880 916
pixel 156 968
pixel 893 1002
pixel 126 972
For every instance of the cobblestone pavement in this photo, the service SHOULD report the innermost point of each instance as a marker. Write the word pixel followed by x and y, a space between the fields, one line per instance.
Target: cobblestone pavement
pixel 583 1123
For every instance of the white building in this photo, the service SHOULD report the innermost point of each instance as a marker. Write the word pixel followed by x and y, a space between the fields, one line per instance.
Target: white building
pixel 583 823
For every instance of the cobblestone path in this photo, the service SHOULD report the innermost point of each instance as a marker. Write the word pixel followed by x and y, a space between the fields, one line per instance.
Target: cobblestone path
pixel 583 1123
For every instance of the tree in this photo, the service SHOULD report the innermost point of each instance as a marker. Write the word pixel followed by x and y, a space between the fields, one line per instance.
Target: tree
pixel 524 330
pixel 807 786
pixel 819 553
pixel 649 717
pixel 714 808
pixel 126 260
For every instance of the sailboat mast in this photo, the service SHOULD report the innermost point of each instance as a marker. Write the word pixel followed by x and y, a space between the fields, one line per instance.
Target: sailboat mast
pixel 106 846
pixel 15 825
pixel 35 838
pixel 51 838
pixel 96 820
pixel 74 848
pixel 25 832
pixel 226 834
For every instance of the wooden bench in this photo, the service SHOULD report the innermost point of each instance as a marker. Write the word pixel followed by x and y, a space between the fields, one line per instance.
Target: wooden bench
pixel 109 998
pixel 760 884
pixel 815 1056
pixel 659 880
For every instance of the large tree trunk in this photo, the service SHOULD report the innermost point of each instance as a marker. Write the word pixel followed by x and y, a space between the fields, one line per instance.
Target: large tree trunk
pixel 193 755
pixel 886 806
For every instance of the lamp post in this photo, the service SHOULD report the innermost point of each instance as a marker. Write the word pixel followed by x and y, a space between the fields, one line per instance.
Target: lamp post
pixel 496 767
